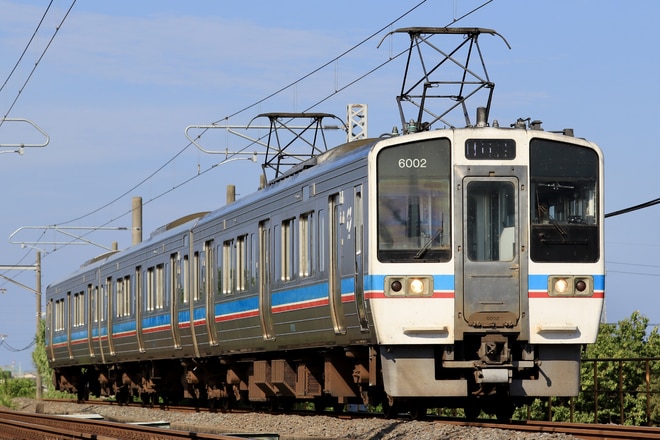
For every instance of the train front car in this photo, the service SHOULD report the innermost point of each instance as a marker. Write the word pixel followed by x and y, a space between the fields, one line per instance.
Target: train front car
pixel 486 274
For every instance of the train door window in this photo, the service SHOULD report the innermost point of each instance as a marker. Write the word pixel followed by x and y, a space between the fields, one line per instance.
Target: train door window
pixel 253 277
pixel 127 296
pixel 160 287
pixel 81 309
pixel 107 307
pixel 490 227
pixel 91 306
pixel 119 306
pixel 306 251
pixel 287 249
pixel 96 307
pixel 227 269
pixel 321 251
pixel 242 263
pixel 74 315
pixel 138 287
pixel 185 268
pixel 176 288
pixel 210 265
pixel 150 299
pixel 196 290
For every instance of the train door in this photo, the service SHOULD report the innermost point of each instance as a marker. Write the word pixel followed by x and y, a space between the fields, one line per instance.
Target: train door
pixel 334 264
pixel 265 303
pixel 69 323
pixel 207 278
pixel 97 311
pixel 358 220
pixel 90 324
pixel 491 285
pixel 50 323
pixel 174 288
pixel 108 307
pixel 138 307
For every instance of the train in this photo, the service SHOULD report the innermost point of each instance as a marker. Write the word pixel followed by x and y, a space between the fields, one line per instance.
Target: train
pixel 451 267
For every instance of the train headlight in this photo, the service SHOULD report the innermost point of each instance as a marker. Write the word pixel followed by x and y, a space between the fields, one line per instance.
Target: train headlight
pixel 570 285
pixel 416 286
pixel 561 286
pixel 408 286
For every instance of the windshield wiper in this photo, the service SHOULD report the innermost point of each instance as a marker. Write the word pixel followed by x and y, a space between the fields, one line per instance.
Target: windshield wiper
pixel 427 245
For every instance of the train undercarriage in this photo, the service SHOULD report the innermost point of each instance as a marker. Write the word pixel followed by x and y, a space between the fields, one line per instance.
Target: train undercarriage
pixel 392 378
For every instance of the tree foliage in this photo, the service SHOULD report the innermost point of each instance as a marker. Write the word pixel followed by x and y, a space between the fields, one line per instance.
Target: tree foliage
pixel 617 373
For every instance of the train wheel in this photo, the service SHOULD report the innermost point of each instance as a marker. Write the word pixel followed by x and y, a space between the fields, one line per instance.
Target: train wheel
pixel 472 410
pixel 504 411
pixel 390 407
pixel 418 411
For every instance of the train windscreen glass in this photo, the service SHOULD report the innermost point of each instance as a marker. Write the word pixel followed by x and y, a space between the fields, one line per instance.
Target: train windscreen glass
pixel 413 202
pixel 563 202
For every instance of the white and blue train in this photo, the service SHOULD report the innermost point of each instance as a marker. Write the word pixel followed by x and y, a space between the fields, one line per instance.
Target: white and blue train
pixel 455 267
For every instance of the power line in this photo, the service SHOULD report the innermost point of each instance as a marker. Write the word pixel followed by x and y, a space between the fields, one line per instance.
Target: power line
pixel 26 46
pixel 634 208
pixel 362 42
pixel 36 64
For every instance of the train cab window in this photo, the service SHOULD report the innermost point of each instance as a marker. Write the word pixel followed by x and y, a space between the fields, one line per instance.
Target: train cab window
pixel 414 219
pixel 563 202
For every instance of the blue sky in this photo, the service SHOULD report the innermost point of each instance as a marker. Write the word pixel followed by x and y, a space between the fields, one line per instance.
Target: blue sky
pixel 122 79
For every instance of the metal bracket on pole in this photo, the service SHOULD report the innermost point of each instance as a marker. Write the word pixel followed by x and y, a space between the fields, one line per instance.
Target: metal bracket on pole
pixel 77 239
pixel 22 145
pixel 280 126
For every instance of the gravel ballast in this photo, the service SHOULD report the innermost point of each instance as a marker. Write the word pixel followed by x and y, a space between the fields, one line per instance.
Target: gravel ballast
pixel 288 427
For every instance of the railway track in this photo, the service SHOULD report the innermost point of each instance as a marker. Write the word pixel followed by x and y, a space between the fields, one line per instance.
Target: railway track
pixel 580 431
pixel 19 425
pixel 583 431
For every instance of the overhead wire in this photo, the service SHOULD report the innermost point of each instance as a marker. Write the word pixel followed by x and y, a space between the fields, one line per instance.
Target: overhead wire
pixel 256 103
pixel 27 46
pixel 260 101
pixel 36 64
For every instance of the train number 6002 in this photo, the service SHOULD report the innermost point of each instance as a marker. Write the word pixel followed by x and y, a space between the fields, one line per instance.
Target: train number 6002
pixel 412 163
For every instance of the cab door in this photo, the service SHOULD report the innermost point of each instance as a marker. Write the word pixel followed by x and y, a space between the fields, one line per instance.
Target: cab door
pixel 490 237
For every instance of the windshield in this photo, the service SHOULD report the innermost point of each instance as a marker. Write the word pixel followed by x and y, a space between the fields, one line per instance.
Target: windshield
pixel 564 202
pixel 413 202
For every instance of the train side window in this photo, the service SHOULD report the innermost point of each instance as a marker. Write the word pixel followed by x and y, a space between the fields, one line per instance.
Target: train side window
pixel 287 250
pixel 59 315
pixel 306 251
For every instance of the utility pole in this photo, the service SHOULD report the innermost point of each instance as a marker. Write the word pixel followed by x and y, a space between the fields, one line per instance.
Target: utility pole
pixel 37 291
